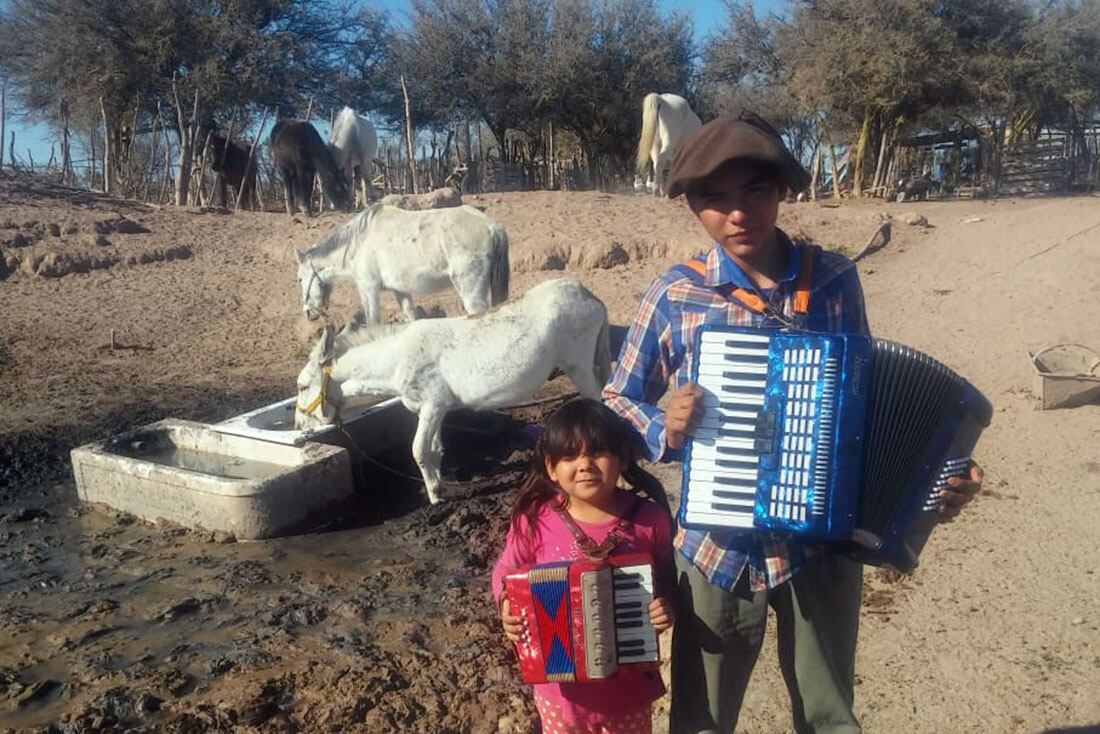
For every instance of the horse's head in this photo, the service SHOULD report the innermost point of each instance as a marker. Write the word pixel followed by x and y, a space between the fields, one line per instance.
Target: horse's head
pixel 312 286
pixel 316 404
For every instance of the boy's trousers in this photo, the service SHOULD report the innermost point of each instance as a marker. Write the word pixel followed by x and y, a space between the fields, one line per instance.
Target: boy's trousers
pixel 719 633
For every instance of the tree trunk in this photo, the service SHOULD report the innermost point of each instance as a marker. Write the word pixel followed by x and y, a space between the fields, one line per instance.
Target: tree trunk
pixel 880 167
pixel 3 118
pixel 250 164
pixel 66 155
pixel 107 182
pixel 996 155
pixel 550 156
pixel 409 135
pixel 832 156
pixel 815 171
pixel 187 135
pixel 856 166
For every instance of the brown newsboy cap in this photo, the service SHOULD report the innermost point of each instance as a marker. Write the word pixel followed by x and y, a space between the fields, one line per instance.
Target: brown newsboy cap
pixel 708 148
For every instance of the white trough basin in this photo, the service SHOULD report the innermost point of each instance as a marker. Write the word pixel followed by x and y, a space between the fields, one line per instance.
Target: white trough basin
pixel 201 478
pixel 371 427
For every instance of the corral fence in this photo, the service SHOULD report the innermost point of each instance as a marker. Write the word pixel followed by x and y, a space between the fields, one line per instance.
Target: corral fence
pixel 1052 160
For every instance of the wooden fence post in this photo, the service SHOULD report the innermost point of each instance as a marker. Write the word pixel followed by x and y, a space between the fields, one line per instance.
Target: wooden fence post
pixel 409 135
pixel 106 148
pixel 3 118
pixel 248 164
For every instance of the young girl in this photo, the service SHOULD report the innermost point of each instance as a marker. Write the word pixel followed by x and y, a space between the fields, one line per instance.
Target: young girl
pixel 570 507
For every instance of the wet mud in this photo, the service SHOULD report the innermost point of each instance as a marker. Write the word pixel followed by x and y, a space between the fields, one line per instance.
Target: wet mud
pixel 380 622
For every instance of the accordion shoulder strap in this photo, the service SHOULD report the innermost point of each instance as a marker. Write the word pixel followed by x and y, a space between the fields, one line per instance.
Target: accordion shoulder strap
pixel 754 302
pixel 805 279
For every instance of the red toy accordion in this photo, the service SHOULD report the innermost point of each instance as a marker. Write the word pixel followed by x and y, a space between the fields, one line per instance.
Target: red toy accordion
pixel 584 618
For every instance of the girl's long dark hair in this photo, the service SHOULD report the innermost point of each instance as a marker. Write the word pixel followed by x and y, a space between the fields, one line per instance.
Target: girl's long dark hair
pixel 582 424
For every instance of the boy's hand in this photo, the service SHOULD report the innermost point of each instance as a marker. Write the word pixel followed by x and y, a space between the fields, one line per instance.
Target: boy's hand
pixel 661 615
pixel 514 627
pixel 685 408
pixel 960 491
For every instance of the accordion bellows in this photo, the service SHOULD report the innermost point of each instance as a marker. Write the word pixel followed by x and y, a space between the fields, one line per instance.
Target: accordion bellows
pixel 834 438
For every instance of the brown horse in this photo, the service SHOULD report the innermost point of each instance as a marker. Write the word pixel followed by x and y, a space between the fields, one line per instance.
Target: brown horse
pixel 300 154
pixel 231 160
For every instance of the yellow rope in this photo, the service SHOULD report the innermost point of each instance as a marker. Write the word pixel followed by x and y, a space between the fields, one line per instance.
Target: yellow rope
pixel 322 396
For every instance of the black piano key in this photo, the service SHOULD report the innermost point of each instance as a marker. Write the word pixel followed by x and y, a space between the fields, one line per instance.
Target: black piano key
pixel 722 507
pixel 747 495
pixel 735 482
pixel 745 390
pixel 735 375
pixel 746 358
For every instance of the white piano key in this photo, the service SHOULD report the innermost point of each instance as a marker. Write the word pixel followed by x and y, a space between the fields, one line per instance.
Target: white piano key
pixel 719 519
pixel 713 452
pixel 730 399
pixel 715 368
pixel 724 336
pixel 707 471
pixel 732 413
pixel 732 355
pixel 720 387
pixel 718 431
pixel 705 490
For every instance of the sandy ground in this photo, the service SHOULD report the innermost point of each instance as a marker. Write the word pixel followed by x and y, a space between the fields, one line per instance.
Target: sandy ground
pixel 382 623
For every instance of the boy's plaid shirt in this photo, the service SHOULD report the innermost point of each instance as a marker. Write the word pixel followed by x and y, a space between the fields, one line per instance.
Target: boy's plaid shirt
pixel 658 354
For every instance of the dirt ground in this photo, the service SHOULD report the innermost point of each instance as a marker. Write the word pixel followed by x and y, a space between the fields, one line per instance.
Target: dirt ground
pixel 382 621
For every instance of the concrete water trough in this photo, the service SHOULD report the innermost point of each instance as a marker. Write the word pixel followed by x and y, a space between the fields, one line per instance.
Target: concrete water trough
pixel 371 426
pixel 253 475
pixel 189 474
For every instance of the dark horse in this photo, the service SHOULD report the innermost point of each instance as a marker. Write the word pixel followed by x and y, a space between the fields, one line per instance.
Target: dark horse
pixel 235 169
pixel 300 154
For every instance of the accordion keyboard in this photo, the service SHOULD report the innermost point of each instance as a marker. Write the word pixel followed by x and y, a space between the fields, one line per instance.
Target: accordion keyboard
pixel 732 370
pixel 636 640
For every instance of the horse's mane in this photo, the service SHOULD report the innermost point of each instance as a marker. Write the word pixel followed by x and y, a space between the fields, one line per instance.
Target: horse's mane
pixel 345 234
pixel 354 335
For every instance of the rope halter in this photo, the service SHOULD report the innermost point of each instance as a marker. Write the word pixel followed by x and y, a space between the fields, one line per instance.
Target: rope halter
pixel 322 396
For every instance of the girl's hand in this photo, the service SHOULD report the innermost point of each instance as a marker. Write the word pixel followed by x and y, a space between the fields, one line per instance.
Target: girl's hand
pixel 959 492
pixel 514 627
pixel 661 615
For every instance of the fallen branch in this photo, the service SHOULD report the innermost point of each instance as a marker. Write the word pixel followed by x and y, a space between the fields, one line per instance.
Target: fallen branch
pixel 881 232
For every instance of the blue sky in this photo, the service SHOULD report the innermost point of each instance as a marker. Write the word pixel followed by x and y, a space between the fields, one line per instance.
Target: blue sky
pixel 706 16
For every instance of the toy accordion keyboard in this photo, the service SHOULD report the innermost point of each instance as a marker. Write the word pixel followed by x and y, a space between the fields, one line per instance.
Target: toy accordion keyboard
pixel 584 618
pixel 826 437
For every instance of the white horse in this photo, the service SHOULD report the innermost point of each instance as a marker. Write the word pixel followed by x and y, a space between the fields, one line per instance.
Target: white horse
pixel 354 144
pixel 666 120
pixel 490 360
pixel 409 253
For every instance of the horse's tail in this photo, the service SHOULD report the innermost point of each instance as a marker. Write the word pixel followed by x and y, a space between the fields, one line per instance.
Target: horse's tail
pixel 501 268
pixel 331 175
pixel 601 360
pixel 275 130
pixel 649 130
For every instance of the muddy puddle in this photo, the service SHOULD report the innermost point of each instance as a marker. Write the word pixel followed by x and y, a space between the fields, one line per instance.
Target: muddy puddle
pixel 382 622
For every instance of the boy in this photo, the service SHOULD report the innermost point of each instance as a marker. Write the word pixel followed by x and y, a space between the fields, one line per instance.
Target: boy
pixel 735 172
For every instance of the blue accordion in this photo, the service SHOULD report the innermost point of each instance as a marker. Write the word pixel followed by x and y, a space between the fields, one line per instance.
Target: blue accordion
pixel 833 438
